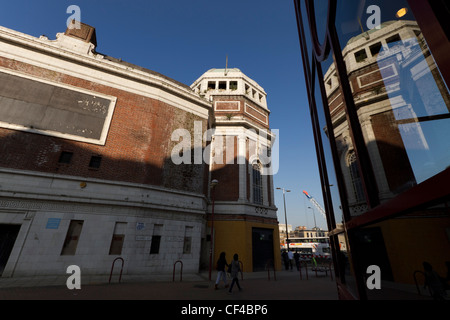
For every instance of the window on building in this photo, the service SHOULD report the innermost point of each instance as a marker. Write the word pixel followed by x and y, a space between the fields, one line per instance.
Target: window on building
pixel 72 237
pixel 187 246
pixel 95 162
pixel 233 85
pixel 375 49
pixel 156 239
pixel 355 177
pixel 222 85
pixel 211 85
pixel 65 157
pixel 257 184
pixel 393 41
pixel 361 55
pixel 118 238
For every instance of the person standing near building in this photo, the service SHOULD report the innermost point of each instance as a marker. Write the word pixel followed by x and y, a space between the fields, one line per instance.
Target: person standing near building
pixel 235 269
pixel 297 260
pixel 291 258
pixel 221 264
pixel 285 258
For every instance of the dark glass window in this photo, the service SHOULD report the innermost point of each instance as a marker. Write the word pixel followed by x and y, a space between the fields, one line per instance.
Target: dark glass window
pixel 257 185
pixel 65 157
pixel 95 162
pixel 156 241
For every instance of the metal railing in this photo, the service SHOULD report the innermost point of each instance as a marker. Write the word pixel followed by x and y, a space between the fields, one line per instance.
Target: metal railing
pixel 300 269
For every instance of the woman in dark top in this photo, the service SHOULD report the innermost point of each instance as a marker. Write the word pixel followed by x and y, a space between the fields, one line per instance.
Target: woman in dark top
pixel 221 274
pixel 235 269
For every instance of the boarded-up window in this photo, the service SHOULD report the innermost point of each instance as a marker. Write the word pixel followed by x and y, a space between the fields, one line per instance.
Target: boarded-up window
pixel 72 237
pixel 187 240
pixel 45 108
pixel 118 238
pixel 156 239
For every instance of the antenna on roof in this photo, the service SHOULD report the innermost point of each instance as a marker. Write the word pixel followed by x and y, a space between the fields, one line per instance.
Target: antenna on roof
pixel 226 65
pixel 364 33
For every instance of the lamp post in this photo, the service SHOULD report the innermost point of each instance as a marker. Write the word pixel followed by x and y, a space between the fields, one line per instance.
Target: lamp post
pixel 314 215
pixel 285 216
pixel 212 186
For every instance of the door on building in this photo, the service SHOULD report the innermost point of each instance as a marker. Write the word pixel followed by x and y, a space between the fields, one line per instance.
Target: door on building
pixel 262 248
pixel 8 235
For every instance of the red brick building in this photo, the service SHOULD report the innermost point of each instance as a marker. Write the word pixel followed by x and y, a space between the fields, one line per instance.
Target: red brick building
pixel 86 169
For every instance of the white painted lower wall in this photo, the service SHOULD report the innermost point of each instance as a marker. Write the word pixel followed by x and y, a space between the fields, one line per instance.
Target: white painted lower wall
pixel 37 249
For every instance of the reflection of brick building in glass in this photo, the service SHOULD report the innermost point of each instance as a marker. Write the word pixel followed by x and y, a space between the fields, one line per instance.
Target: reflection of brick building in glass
pixel 392 109
pixel 379 105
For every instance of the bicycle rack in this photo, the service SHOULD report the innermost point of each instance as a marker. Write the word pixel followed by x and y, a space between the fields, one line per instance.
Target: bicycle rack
pixel 181 270
pixel 268 270
pixel 112 267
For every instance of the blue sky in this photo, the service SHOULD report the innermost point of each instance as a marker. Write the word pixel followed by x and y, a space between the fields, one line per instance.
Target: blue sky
pixel 183 39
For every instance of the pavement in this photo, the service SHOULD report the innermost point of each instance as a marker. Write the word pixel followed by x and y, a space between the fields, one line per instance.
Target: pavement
pixel 262 286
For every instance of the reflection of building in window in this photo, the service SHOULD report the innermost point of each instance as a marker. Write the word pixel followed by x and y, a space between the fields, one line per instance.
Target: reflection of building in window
pixel 355 177
pixel 361 55
pixel 403 108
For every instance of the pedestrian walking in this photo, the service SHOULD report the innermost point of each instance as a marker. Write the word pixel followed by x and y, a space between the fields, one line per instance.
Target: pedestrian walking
pixel 297 259
pixel 285 258
pixel 221 274
pixel 291 258
pixel 235 269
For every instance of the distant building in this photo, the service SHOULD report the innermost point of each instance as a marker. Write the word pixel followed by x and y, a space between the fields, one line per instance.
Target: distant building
pixel 87 170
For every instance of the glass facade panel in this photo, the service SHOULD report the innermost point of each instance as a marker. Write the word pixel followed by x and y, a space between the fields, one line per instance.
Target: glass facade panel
pixel 383 128
pixel 320 13
pixel 401 247
pixel 307 32
pixel 344 264
pixel 327 154
pixel 402 101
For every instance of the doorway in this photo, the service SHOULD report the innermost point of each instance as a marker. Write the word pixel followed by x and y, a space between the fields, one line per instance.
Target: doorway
pixel 8 235
pixel 262 248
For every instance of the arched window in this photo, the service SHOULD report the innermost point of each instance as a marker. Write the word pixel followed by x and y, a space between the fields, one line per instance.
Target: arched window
pixel 257 184
pixel 355 177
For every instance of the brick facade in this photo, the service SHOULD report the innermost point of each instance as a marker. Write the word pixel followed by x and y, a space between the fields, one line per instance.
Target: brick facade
pixel 123 190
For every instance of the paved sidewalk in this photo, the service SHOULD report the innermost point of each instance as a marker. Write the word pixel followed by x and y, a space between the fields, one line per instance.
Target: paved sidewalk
pixel 256 286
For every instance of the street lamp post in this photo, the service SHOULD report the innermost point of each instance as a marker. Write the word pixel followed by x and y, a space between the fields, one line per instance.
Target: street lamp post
pixel 285 216
pixel 314 215
pixel 212 186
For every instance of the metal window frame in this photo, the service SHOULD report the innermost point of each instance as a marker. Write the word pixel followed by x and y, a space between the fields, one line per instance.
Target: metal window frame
pixel 422 194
